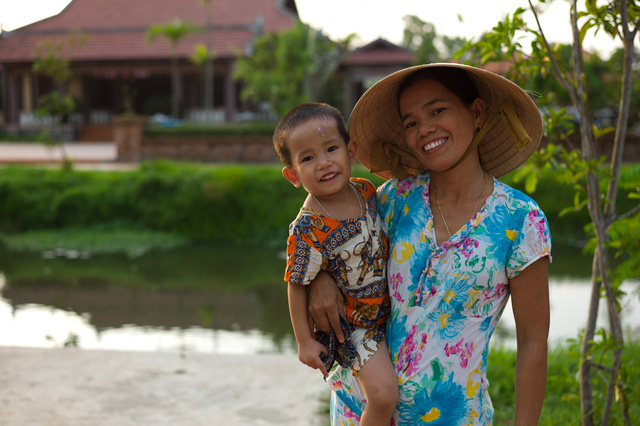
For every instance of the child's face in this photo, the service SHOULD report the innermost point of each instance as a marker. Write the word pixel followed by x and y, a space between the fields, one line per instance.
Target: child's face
pixel 321 161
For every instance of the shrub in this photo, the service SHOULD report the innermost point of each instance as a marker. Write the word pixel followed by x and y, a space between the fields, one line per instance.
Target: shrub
pixel 234 203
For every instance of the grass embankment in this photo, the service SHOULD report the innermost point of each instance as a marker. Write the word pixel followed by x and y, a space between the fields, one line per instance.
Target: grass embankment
pixel 166 204
pixel 562 400
pixel 159 204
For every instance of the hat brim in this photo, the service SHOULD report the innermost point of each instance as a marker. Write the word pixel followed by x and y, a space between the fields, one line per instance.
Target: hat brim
pixel 375 118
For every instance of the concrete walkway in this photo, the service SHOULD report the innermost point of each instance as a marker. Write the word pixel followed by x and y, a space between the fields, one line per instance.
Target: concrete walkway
pixel 35 153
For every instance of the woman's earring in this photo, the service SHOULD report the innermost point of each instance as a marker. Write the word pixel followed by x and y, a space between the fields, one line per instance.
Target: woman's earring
pixel 478 129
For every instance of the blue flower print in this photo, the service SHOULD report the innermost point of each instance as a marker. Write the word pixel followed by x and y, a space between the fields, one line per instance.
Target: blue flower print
pixel 445 405
pixel 494 225
pixel 446 325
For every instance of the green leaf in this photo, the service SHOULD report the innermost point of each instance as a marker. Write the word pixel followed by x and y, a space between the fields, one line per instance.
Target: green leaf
pixel 486 57
pixel 531 183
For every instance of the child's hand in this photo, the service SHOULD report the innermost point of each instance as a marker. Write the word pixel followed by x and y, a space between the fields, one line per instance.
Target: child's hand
pixel 309 353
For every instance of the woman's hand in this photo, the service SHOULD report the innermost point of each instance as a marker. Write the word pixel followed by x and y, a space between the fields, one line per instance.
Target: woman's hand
pixel 325 303
pixel 309 352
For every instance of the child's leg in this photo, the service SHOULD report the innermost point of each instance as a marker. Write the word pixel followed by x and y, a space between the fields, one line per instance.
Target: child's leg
pixel 380 385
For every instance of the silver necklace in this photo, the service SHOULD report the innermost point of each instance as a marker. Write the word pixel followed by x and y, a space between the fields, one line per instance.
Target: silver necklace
pixel 354 193
pixel 475 209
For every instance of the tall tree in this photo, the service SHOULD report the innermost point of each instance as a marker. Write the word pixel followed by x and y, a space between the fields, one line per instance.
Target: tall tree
pixel 597 185
pixel 426 44
pixel 289 68
pixel 52 60
pixel 173 31
pixel 208 64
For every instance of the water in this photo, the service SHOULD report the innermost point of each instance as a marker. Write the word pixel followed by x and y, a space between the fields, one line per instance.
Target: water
pixel 204 299
pixel 569 302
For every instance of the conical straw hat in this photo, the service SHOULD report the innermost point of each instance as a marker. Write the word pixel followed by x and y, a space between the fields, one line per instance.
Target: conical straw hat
pixel 375 123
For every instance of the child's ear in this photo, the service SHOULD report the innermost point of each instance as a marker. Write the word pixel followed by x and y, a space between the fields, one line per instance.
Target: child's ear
pixel 291 176
pixel 353 149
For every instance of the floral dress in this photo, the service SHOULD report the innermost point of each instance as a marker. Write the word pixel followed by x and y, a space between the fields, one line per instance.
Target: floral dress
pixel 354 253
pixel 445 302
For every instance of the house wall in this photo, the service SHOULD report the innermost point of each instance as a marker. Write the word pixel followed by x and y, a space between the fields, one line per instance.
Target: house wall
pixel 133 146
pixel 259 149
pixel 209 149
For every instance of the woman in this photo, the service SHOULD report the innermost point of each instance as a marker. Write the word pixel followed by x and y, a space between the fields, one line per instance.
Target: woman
pixel 460 242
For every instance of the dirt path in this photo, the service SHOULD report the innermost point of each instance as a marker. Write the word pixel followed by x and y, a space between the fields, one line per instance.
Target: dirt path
pixel 81 387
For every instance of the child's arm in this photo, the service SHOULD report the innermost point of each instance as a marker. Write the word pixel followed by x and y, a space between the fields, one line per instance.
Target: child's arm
pixel 309 348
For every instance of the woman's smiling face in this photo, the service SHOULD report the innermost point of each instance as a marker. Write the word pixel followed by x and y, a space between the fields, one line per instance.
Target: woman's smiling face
pixel 438 126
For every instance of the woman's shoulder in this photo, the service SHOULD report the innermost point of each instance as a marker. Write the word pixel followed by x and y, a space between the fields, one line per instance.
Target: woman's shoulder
pixel 395 187
pixel 514 196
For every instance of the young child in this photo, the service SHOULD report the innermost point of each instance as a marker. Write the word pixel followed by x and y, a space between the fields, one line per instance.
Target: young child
pixel 338 230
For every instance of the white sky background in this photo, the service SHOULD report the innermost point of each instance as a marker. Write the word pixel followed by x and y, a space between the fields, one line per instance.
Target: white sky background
pixel 371 19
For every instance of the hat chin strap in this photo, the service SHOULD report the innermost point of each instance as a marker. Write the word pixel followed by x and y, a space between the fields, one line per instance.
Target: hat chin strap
pixel 519 135
pixel 385 155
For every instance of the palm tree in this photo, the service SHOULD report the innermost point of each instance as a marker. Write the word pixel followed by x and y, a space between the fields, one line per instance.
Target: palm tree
pixel 208 73
pixel 173 31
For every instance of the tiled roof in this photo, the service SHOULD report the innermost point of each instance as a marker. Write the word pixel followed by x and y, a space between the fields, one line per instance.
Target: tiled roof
pixel 380 52
pixel 117 29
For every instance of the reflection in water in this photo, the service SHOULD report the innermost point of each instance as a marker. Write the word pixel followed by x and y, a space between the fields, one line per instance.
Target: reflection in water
pixel 569 299
pixel 198 299
pixel 34 325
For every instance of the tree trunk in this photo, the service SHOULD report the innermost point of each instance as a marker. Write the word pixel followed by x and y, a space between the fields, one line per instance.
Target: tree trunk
pixel 208 65
pixel 628 38
pixel 586 366
pixel 615 325
pixel 602 214
pixel 592 190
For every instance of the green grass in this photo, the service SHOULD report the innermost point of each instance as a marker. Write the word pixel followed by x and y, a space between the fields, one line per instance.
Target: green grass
pixel 94 241
pixel 562 400
pixel 228 203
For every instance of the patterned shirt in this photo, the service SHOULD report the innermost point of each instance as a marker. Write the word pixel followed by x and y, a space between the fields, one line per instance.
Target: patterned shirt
pixel 446 301
pixel 354 252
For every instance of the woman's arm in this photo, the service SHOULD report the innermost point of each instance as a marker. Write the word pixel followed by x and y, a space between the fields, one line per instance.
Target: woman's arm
pixel 309 349
pixel 325 304
pixel 530 301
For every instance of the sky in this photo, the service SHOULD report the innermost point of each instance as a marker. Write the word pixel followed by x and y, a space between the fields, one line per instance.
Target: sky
pixel 371 19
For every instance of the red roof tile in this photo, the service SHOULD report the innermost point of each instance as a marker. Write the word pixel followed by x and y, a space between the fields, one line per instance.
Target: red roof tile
pixel 380 52
pixel 117 29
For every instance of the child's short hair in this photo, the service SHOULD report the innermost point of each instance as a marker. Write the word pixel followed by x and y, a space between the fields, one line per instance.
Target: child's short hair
pixel 300 115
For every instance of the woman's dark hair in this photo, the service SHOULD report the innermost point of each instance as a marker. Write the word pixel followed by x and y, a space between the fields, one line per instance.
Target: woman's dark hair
pixel 455 80
pixel 300 115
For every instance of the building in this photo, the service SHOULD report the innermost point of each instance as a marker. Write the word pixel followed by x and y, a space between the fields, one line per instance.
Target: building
pixel 368 64
pixel 115 68
pixel 113 63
